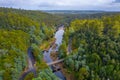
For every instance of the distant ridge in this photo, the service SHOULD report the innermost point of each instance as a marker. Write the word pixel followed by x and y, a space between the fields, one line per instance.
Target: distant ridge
pixel 73 11
pixel 76 11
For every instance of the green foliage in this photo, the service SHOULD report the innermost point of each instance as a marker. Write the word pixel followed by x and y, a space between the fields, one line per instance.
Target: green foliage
pixel 95 45
pixel 37 16
pixel 36 52
pixel 19 30
pixel 30 76
pixel 95 50
pixel 12 21
pixel 63 50
pixel 46 74
pixel 13 46
pixel 83 74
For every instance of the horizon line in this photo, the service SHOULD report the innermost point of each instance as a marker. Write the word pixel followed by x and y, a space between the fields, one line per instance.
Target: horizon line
pixel 62 9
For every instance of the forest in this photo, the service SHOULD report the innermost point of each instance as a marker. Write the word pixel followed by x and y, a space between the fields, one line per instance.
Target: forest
pixel 18 32
pixel 95 52
pixel 94 42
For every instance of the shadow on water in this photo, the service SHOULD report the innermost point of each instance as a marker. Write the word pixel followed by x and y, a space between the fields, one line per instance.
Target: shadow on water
pixel 48 59
pixel 31 56
pixel 31 62
pixel 26 73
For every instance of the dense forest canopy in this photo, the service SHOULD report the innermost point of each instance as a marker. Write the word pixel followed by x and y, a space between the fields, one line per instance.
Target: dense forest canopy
pixel 94 42
pixel 19 30
pixel 38 16
pixel 70 15
pixel 95 48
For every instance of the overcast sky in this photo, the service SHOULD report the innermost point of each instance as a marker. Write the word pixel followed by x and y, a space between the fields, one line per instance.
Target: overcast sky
pixel 109 5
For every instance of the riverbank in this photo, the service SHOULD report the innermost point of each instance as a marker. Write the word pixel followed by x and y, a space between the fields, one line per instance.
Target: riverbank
pixel 66 73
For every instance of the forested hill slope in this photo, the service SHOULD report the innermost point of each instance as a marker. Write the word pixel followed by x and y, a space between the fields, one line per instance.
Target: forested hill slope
pixel 95 48
pixel 70 17
pixel 37 16
pixel 12 21
pixel 95 45
pixel 18 31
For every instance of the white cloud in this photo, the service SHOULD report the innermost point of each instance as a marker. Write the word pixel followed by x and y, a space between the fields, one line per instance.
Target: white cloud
pixel 62 4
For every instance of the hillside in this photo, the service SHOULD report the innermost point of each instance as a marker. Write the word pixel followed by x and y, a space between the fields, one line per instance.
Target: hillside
pixel 70 15
pixel 94 49
pixel 90 47
pixel 18 32
pixel 37 15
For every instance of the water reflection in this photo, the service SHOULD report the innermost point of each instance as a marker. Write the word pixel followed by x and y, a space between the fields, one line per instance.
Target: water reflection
pixel 47 58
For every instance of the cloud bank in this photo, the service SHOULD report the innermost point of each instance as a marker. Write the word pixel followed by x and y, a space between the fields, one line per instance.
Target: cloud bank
pixel 112 5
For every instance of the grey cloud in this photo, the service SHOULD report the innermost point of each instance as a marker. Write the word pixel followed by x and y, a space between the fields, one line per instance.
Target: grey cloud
pixel 48 4
pixel 7 4
pixel 117 1
pixel 45 5
pixel 59 5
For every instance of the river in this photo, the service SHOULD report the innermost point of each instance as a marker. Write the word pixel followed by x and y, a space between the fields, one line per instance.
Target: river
pixel 31 62
pixel 47 58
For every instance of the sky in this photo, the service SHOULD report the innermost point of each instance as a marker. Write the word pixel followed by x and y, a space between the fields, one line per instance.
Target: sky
pixel 106 5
